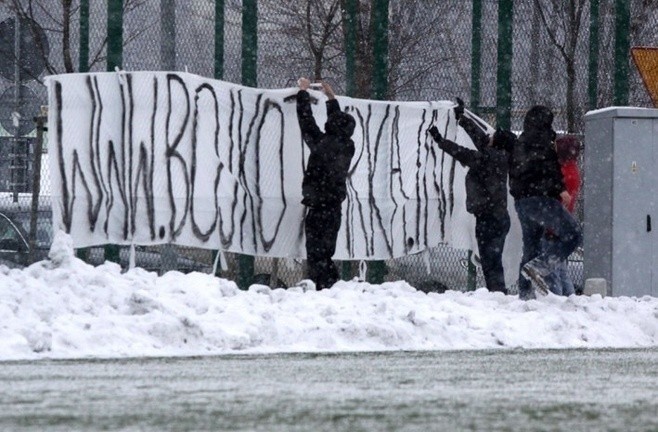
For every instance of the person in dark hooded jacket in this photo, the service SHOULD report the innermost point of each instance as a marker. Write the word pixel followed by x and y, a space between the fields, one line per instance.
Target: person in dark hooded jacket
pixel 323 186
pixel 486 191
pixel 539 193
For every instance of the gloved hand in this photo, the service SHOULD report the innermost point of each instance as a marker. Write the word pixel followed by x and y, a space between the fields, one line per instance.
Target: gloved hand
pixel 504 140
pixel 459 109
pixel 303 83
pixel 328 90
pixel 434 132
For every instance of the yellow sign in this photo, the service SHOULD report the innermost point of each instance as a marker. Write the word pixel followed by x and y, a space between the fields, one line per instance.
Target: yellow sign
pixel 646 60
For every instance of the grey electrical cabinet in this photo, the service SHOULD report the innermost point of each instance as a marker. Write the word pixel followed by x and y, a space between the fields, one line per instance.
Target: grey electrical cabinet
pixel 620 190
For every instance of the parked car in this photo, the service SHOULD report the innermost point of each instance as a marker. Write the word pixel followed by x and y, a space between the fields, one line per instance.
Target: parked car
pixel 15 249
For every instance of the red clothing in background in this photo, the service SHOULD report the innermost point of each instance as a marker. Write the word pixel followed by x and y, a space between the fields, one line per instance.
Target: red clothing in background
pixel 571 177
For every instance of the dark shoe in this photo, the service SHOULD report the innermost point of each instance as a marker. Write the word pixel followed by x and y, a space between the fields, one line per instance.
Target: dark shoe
pixel 498 289
pixel 530 295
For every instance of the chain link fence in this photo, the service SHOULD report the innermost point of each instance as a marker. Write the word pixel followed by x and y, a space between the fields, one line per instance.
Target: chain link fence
pixel 434 50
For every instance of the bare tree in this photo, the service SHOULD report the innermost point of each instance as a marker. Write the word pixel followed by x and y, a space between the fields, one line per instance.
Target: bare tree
pixel 563 21
pixel 418 48
pixel 425 42
pixel 311 34
pixel 56 17
pixel 644 14
pixel 319 38
pixel 307 35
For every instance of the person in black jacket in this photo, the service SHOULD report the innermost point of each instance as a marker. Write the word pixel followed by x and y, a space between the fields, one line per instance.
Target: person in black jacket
pixel 538 190
pixel 486 191
pixel 323 187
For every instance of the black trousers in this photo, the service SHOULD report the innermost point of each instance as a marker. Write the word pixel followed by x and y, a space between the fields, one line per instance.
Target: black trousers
pixel 490 233
pixel 321 227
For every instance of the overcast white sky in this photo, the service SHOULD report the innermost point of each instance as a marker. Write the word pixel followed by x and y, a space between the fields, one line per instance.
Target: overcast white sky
pixel 64 308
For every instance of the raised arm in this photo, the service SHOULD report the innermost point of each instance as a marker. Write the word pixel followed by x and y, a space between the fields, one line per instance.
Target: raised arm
pixel 465 156
pixel 311 133
pixel 332 104
pixel 477 135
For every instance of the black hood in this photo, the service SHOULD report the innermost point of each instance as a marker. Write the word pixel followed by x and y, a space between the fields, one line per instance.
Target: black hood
pixel 341 124
pixel 538 117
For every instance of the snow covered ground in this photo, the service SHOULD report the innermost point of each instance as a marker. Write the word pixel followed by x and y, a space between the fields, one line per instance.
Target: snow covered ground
pixel 64 308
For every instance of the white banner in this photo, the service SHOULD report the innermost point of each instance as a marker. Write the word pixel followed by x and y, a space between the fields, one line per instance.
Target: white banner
pixel 156 157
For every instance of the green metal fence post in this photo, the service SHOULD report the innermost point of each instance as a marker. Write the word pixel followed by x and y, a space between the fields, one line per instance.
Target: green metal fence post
pixel 593 66
pixel 504 67
pixel 83 66
pixel 380 49
pixel 219 39
pixel 168 35
pixel 249 42
pixel 83 60
pixel 168 253
pixel 349 23
pixel 219 70
pixel 36 185
pixel 249 78
pixel 622 50
pixel 114 34
pixel 377 269
pixel 476 70
pixel 350 27
pixel 114 60
pixel 471 280
pixel 476 56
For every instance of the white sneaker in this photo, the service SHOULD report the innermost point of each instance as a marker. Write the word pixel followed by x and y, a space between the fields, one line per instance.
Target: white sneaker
pixel 536 271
